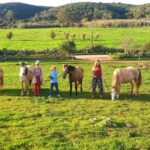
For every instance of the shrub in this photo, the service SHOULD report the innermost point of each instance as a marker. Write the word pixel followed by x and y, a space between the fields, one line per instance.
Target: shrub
pixel 73 37
pixel 97 36
pixel 146 47
pixel 67 34
pixel 68 47
pixel 83 36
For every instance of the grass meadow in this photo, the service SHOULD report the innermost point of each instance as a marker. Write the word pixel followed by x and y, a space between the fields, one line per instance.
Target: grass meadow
pixel 37 39
pixel 76 122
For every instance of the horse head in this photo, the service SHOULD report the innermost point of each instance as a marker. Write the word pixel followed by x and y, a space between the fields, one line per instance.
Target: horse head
pixel 114 93
pixel 65 70
pixel 23 69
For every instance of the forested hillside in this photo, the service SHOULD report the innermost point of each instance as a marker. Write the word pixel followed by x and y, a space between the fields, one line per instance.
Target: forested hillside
pixel 15 13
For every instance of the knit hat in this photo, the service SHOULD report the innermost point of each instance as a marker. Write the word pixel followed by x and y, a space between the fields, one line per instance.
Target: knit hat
pixel 37 62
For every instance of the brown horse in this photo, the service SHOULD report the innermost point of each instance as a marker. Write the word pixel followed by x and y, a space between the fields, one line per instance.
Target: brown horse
pixel 26 76
pixel 1 78
pixel 126 75
pixel 75 75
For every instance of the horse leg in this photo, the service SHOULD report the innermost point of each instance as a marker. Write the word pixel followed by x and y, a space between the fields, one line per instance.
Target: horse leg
pixel 118 91
pixel 27 88
pixel 137 87
pixel 70 88
pixel 131 88
pixel 81 86
pixel 76 87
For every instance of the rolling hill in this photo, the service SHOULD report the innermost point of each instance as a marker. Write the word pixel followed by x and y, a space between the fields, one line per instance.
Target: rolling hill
pixel 12 13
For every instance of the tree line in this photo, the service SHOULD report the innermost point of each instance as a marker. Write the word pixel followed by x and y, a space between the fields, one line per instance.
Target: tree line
pixel 76 14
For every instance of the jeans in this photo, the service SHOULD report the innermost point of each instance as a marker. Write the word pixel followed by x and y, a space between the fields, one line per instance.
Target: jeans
pixel 95 82
pixel 56 87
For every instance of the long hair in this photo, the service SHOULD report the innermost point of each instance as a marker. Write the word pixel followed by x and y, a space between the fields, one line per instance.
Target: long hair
pixel 97 63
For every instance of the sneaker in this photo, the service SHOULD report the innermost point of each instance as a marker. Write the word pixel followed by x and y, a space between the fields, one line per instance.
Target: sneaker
pixel 49 96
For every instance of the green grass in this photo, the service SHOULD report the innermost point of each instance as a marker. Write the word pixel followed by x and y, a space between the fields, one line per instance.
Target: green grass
pixel 76 122
pixel 37 39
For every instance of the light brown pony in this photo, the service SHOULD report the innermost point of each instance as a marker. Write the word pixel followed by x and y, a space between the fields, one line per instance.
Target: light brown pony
pixel 1 78
pixel 26 76
pixel 75 75
pixel 126 75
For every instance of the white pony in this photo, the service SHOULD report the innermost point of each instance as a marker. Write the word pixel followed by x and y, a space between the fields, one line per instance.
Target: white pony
pixel 126 75
pixel 26 76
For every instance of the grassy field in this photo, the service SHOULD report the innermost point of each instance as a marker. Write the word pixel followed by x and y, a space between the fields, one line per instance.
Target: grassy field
pixel 77 122
pixel 37 39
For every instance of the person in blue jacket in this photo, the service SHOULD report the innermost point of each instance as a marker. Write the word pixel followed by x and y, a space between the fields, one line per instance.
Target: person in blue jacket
pixel 53 81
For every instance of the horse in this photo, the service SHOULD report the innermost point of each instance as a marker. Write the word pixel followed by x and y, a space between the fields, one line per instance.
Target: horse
pixel 75 75
pixel 1 78
pixel 26 76
pixel 126 75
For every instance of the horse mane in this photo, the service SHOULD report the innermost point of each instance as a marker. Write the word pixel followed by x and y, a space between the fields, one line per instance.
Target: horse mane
pixel 71 68
pixel 115 79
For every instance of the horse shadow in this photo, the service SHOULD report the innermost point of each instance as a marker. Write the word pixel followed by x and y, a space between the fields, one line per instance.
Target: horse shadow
pixel 81 96
pixel 145 97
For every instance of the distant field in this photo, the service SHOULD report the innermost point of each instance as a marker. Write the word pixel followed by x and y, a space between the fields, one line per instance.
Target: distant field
pixel 38 39
pixel 76 122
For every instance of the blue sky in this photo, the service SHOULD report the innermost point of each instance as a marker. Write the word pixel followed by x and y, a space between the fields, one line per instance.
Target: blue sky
pixel 61 2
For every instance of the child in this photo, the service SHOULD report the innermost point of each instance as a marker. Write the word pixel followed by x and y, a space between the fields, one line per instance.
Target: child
pixel 54 81
pixel 38 78
pixel 97 78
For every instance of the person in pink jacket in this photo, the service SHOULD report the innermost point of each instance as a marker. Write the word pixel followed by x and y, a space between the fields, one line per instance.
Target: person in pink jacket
pixel 38 78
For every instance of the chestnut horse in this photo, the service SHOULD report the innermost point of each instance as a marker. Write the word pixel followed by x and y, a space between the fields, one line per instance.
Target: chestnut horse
pixel 126 75
pixel 26 76
pixel 1 78
pixel 75 75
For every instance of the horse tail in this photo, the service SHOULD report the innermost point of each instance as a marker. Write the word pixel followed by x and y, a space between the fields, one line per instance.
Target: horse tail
pixel 139 81
pixel 1 80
